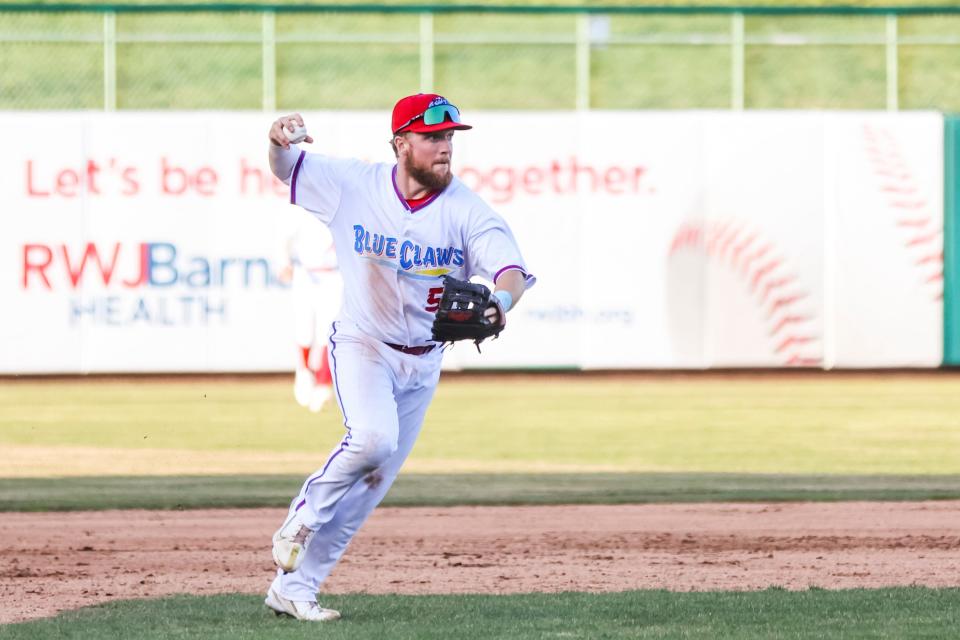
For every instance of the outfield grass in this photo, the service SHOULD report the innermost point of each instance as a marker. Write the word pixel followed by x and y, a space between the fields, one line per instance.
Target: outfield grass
pixel 367 75
pixel 824 424
pixel 774 613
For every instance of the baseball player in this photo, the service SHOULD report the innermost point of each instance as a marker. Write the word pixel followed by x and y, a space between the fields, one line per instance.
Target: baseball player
pixel 311 268
pixel 399 229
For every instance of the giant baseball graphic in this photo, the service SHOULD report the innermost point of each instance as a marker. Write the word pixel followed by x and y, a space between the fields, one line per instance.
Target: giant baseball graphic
pixel 744 268
pixel 762 314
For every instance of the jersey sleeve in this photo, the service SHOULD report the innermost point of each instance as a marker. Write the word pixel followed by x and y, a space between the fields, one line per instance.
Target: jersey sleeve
pixel 318 181
pixel 492 250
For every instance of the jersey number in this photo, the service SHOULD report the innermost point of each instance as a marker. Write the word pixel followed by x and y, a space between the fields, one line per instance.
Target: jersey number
pixel 433 299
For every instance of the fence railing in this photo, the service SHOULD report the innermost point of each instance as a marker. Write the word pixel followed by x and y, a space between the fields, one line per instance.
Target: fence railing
pixel 272 57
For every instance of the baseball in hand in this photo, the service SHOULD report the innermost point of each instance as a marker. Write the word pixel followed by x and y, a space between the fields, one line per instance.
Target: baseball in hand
pixel 298 135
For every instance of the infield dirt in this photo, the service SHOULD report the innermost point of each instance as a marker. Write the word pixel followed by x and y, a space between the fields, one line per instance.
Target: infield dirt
pixel 55 561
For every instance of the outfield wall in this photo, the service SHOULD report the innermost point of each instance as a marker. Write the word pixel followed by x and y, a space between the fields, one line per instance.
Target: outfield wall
pixel 153 241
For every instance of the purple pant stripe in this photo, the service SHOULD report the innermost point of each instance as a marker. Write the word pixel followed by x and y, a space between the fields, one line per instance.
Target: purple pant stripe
pixel 336 386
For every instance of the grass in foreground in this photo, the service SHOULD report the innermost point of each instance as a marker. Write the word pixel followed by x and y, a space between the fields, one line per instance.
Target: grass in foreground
pixel 191 492
pixel 775 613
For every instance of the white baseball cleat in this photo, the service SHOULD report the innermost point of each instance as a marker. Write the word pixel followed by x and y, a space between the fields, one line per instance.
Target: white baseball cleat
pixel 290 543
pixel 301 610
pixel 303 381
pixel 319 398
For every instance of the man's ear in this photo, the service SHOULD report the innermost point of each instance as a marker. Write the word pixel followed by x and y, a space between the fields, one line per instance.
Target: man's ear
pixel 400 142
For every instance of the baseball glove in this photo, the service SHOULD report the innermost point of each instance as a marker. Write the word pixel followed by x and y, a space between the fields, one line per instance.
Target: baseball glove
pixel 462 314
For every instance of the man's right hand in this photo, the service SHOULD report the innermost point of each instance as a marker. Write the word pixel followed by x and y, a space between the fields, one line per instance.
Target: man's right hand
pixel 291 122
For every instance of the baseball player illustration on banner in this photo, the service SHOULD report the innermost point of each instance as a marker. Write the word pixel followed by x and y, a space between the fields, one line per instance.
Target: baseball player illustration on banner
pixel 311 270
pixel 408 237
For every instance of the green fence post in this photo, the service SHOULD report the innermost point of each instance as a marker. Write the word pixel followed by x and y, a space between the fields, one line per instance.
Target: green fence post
pixel 737 44
pixel 951 242
pixel 109 61
pixel 426 52
pixel 893 67
pixel 268 59
pixel 584 42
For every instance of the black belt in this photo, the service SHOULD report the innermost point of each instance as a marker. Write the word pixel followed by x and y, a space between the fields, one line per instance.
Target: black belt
pixel 413 351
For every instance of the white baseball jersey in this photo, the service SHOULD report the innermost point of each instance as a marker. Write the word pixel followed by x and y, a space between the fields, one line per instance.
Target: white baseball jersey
pixel 391 257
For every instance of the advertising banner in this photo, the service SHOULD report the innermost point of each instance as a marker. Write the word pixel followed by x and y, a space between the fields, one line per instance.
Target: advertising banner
pixel 155 242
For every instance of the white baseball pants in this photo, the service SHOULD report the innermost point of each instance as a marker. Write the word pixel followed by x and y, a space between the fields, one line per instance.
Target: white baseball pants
pixel 383 395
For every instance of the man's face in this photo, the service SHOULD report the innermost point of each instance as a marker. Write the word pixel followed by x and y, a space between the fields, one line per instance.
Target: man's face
pixel 426 158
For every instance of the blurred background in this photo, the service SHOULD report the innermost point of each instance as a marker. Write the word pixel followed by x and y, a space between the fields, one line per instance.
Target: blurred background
pixel 775 176
pixel 696 188
pixel 550 57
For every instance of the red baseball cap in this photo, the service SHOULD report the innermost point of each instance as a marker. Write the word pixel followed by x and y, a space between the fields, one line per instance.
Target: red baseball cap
pixel 425 112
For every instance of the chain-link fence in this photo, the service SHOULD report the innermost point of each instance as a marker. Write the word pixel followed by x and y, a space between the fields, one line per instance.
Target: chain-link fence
pixel 284 58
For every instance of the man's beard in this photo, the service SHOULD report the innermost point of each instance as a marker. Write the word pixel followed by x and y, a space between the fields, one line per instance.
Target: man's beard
pixel 426 176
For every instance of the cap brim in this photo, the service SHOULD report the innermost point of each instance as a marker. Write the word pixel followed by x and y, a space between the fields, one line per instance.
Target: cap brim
pixel 419 127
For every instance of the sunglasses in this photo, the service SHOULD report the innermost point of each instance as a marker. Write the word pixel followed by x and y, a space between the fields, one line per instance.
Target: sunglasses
pixel 435 115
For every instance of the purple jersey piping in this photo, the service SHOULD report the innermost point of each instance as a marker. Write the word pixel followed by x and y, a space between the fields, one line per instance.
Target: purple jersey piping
pixel 344 443
pixel 293 180
pixel 508 268
pixel 403 201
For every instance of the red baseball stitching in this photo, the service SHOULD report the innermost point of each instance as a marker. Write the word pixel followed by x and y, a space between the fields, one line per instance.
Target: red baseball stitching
pixel 767 280
pixel 901 190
